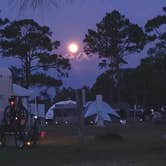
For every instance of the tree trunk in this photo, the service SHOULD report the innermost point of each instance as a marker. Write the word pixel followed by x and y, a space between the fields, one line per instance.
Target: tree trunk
pixel 144 99
pixel 80 117
pixel 27 73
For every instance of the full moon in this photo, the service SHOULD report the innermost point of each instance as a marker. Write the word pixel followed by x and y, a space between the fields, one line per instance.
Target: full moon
pixel 73 48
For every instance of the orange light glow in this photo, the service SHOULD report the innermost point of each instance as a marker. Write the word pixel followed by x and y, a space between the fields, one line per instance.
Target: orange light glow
pixel 28 143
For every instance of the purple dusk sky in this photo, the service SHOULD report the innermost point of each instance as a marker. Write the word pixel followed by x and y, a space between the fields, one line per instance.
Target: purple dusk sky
pixel 71 22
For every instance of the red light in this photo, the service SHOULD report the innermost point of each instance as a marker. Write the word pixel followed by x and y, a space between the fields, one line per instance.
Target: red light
pixel 11 103
pixel 42 134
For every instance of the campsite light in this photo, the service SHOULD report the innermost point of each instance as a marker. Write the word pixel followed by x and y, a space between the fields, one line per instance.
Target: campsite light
pixel 35 116
pixel 152 111
pixel 141 120
pixel 66 122
pixel 16 118
pixel 56 122
pixel 28 143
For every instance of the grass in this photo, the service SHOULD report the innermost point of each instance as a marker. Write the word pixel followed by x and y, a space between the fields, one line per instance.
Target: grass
pixel 138 145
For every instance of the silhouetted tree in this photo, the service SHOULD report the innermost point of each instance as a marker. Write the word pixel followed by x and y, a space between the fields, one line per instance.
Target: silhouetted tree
pixel 115 38
pixel 17 75
pixel 104 85
pixel 31 43
pixel 152 71
pixel 65 94
pixel 156 31
pixel 70 93
pixel 155 28
pixel 155 64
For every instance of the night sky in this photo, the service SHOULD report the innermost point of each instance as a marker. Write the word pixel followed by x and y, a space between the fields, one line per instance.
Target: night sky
pixel 70 22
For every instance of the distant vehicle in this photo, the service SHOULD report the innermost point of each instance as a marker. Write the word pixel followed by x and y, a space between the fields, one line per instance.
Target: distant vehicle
pixel 63 113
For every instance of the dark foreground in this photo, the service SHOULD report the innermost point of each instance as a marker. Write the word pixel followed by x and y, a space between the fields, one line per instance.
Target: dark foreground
pixel 138 145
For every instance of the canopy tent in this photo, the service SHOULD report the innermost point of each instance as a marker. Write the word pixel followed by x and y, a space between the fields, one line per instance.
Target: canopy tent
pixel 102 111
pixel 24 93
pixel 60 105
pixel 103 107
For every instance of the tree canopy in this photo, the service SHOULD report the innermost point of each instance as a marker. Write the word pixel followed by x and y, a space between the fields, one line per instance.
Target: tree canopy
pixel 114 38
pixel 33 45
pixel 155 29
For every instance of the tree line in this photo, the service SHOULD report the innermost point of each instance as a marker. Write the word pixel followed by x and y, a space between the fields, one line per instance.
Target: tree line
pixel 114 38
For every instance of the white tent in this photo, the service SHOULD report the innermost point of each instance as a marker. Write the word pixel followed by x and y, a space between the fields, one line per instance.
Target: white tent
pixel 101 109
pixel 8 89
pixel 21 91
pixel 60 105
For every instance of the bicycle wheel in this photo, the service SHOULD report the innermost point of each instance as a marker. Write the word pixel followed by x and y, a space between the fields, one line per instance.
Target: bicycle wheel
pixel 19 141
